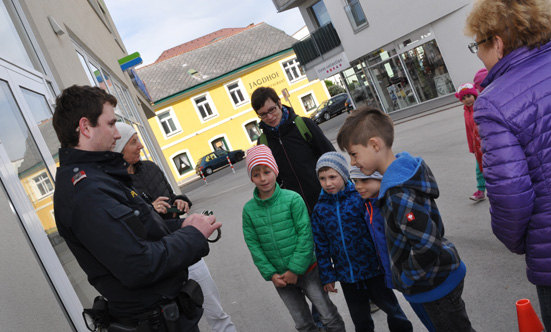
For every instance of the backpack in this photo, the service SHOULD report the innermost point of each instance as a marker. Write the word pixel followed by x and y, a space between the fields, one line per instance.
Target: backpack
pixel 302 128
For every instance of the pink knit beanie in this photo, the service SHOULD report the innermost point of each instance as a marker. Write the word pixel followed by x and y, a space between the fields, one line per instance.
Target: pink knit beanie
pixel 260 155
pixel 479 78
pixel 466 89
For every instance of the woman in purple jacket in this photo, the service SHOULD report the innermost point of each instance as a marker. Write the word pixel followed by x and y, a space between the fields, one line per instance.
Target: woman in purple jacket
pixel 512 38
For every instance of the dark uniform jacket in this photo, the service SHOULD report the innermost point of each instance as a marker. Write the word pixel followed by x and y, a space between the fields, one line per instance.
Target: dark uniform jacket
pixel 296 158
pixel 150 182
pixel 127 252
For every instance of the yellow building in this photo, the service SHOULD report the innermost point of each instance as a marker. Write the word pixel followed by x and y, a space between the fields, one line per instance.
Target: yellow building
pixel 202 96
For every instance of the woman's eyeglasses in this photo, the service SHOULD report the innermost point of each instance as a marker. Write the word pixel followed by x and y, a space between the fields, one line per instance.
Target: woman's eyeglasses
pixel 473 47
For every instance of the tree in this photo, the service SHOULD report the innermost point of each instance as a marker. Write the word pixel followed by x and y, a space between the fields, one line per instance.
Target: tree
pixel 335 90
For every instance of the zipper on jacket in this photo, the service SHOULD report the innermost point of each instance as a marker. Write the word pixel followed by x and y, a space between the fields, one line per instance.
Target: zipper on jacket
pixel 374 237
pixel 267 208
pixel 342 238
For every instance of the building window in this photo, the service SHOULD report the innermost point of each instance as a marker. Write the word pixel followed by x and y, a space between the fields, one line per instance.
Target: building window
pixel 237 93
pixel 220 144
pixel 205 107
pixel 169 122
pixel 308 102
pixel 355 14
pixel 43 184
pixel 293 70
pixel 253 132
pixel 181 161
pixel 320 14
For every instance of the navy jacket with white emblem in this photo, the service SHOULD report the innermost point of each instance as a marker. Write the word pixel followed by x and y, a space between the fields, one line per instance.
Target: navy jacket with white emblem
pixel 128 253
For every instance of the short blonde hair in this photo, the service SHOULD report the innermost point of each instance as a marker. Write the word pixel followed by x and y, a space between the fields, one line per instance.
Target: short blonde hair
pixel 517 22
pixel 364 124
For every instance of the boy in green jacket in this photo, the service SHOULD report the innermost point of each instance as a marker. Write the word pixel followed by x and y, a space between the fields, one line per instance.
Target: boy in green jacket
pixel 277 230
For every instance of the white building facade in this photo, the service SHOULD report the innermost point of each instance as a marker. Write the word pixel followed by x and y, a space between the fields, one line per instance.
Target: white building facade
pixel 401 56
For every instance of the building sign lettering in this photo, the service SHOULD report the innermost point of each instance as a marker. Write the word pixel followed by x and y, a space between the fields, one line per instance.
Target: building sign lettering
pixel 332 66
pixel 272 79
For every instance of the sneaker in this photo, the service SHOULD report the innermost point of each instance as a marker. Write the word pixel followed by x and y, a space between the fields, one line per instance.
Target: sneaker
pixel 478 196
pixel 373 307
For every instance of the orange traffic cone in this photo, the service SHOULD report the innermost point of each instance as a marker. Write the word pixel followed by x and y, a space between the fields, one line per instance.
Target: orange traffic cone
pixel 528 321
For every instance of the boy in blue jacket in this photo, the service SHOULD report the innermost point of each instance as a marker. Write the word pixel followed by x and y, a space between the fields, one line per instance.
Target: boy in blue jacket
pixel 426 267
pixel 368 186
pixel 345 251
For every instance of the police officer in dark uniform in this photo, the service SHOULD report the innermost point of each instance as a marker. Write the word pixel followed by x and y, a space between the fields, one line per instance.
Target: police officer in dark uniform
pixel 131 256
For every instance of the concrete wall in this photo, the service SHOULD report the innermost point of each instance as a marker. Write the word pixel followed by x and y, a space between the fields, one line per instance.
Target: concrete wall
pixel 27 300
pixel 461 63
pixel 388 21
pixel 392 21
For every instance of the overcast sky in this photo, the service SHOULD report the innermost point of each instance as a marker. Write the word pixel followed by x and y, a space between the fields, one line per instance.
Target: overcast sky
pixel 150 27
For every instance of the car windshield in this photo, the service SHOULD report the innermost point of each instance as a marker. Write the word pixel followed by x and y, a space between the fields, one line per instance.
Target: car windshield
pixel 323 105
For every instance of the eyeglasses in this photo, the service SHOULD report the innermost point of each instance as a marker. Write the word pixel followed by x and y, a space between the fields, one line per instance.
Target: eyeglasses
pixel 271 110
pixel 473 47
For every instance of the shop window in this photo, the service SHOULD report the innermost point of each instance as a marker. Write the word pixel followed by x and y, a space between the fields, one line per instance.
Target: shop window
pixel 205 107
pixel 360 86
pixel 253 132
pixel 428 71
pixel 293 70
pixel 237 93
pixel 355 15
pixel 319 14
pixel 181 161
pixel 308 102
pixel 393 84
pixel 169 123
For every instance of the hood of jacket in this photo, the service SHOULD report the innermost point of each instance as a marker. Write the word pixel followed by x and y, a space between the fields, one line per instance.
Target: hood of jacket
pixel 407 171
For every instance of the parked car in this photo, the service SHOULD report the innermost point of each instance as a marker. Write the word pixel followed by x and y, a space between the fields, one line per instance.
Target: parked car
pixel 217 159
pixel 330 108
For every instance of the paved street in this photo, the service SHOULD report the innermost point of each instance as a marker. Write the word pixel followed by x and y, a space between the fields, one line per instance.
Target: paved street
pixel 495 277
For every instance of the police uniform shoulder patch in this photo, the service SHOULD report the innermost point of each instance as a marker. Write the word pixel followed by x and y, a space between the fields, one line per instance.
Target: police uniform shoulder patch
pixel 78 177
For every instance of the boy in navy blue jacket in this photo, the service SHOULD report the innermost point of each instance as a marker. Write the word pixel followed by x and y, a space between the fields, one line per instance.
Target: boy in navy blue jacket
pixel 426 267
pixel 345 250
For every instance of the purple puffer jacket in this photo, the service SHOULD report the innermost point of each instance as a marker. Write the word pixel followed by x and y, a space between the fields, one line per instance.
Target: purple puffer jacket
pixel 514 118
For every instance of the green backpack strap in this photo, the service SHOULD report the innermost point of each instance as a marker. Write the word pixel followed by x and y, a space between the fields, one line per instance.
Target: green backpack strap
pixel 302 128
pixel 304 131
pixel 263 139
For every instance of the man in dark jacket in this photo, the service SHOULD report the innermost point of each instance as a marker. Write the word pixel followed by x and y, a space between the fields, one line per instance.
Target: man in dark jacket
pixel 295 157
pixel 129 255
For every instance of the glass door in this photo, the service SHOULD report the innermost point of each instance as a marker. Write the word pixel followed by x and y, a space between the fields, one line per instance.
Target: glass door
pixel 28 157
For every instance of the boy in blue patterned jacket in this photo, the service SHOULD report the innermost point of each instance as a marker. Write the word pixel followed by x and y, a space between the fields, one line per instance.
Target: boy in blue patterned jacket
pixel 426 267
pixel 345 251
pixel 368 186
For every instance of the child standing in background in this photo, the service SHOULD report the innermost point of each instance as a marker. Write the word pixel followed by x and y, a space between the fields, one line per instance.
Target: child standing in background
pixel 345 250
pixel 467 94
pixel 277 230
